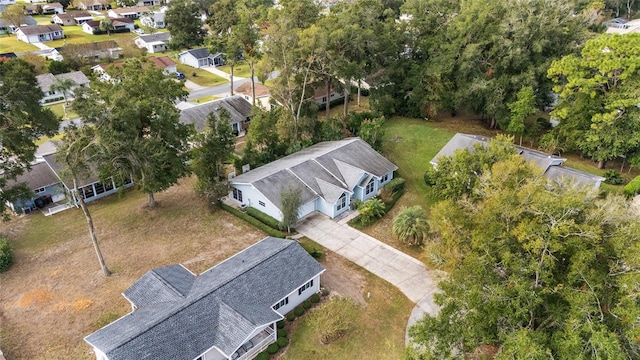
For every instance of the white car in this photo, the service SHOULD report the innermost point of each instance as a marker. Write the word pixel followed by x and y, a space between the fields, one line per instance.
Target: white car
pixel 138 31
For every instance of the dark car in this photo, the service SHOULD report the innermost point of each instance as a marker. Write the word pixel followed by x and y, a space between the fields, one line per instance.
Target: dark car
pixel 179 75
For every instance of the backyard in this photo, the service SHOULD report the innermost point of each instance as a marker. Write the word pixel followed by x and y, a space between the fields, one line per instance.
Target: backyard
pixel 200 76
pixel 55 294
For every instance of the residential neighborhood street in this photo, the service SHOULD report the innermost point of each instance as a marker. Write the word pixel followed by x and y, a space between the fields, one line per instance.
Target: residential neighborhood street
pixel 406 273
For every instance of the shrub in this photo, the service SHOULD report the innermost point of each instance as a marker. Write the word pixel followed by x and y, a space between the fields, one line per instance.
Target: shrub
pixel 613 177
pixel 633 187
pixel 396 184
pixel 253 221
pixel 291 316
pixel 273 348
pixel 280 324
pixel 371 210
pixel 266 219
pixel 306 304
pixel 282 333
pixel 312 250
pixel 355 204
pixel 388 205
pixel 282 342
pixel 194 74
pixel 333 319
pixel 298 311
pixel 315 298
pixel 430 176
pixel 6 255
pixel 263 356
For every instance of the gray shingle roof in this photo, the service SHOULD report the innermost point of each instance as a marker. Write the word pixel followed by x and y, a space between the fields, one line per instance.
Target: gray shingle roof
pixel 59 169
pixel 200 53
pixel 40 29
pixel 237 106
pixel 162 36
pixel 46 80
pixel 223 307
pixel 326 169
pixel 551 165
pixel 166 284
pixel 39 176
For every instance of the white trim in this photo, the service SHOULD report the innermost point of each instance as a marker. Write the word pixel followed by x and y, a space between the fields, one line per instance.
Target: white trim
pixel 296 289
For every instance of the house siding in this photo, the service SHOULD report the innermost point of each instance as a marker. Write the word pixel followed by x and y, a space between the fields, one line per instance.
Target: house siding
pixel 295 299
pixel 57 192
pixel 188 59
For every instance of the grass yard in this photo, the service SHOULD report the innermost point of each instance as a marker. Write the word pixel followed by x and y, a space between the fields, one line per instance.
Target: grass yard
pixel 75 35
pixel 10 43
pixel 205 99
pixel 338 110
pixel 240 70
pixel 59 111
pixel 379 329
pixel 54 294
pixel 202 77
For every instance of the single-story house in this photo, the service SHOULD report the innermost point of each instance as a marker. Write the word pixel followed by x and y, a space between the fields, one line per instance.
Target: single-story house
pixel 150 2
pixel 320 93
pixel 94 51
pixel 263 95
pixel 45 81
pixel 119 25
pixel 622 26
pixel 7 28
pixel 165 63
pixel 227 312
pixel 72 18
pixel 93 5
pixel 153 20
pixel 329 175
pixel 154 43
pixel 128 12
pixel 238 108
pixel 47 9
pixel 551 165
pixel 39 33
pixel 201 57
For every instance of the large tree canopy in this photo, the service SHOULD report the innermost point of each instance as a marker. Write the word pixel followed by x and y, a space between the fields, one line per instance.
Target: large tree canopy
pixel 184 24
pixel 598 105
pixel 137 124
pixel 22 120
pixel 536 271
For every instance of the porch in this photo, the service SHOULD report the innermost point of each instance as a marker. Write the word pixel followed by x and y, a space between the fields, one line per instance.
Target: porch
pixel 257 344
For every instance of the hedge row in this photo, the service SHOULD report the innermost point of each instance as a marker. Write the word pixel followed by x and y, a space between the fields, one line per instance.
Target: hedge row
pixel 268 220
pixel 633 187
pixel 6 255
pixel 253 221
pixel 396 184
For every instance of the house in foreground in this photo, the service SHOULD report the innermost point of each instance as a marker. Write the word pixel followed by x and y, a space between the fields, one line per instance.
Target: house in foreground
pixel 238 108
pixel 39 33
pixel 46 81
pixel 329 175
pixel 551 165
pixel 227 312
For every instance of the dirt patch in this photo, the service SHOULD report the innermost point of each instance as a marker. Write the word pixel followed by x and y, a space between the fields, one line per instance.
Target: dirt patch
pixel 341 278
pixel 37 297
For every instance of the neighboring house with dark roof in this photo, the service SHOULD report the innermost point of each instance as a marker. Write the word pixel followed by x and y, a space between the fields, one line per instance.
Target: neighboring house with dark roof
pixel 45 81
pixel 154 43
pixel 7 56
pixel 329 175
pixel 551 165
pixel 119 25
pixel 128 12
pixel 201 57
pixel 153 20
pixel 47 9
pixel 227 312
pixel 72 18
pixel 39 33
pixel 322 98
pixel 8 28
pixel 44 183
pixel 93 51
pixel 263 95
pixel 238 108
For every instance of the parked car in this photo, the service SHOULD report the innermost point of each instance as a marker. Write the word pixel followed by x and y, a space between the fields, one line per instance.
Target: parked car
pixel 138 31
pixel 179 75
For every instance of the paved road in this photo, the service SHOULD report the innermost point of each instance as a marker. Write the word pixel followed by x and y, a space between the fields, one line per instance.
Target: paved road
pixel 406 273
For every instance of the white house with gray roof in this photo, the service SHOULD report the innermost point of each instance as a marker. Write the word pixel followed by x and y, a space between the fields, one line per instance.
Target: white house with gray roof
pixel 551 165
pixel 228 312
pixel 238 108
pixel 329 175
pixel 201 57
pixel 46 81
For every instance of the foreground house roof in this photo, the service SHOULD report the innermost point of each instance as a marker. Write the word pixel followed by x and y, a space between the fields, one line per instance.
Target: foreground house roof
pixel 551 165
pixel 180 316
pixel 326 170
pixel 40 175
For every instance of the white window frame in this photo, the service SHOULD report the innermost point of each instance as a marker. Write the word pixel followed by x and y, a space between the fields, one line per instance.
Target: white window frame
pixel 342 202
pixel 371 186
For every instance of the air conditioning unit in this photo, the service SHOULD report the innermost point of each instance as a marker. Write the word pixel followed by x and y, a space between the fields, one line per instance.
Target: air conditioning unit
pixel 243 207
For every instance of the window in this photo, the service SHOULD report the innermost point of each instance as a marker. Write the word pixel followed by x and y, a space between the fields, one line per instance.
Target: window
pixel 305 287
pixel 108 186
pixel 385 178
pixel 99 188
pixel 38 191
pixel 342 202
pixel 86 192
pixel 237 194
pixel 370 186
pixel 282 303
pixel 324 99
pixel 261 203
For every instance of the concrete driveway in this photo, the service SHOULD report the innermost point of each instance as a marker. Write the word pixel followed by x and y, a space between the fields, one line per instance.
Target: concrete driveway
pixel 406 273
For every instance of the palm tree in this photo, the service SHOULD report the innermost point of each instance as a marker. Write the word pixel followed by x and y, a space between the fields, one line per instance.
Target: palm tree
pixel 411 225
pixel 106 25
pixel 64 86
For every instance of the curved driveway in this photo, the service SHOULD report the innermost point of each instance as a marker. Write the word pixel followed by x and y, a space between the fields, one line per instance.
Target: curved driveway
pixel 406 273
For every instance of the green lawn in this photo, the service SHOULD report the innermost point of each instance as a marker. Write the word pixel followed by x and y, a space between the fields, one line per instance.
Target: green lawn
pixel 205 99
pixel 202 77
pixel 75 35
pixel 378 330
pixel 42 19
pixel 10 43
pixel 240 70
pixel 58 110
